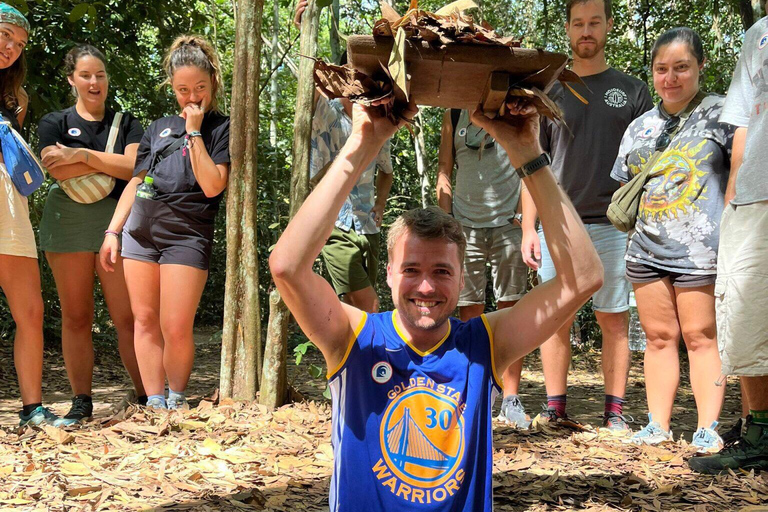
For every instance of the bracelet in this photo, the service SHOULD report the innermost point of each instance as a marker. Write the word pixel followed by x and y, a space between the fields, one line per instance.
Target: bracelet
pixel 195 133
pixel 113 233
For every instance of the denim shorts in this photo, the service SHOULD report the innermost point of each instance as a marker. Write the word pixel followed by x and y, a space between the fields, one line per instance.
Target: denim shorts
pixel 611 245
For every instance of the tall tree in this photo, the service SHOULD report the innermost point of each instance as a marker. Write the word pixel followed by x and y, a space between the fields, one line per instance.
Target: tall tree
pixel 241 353
pixel 273 375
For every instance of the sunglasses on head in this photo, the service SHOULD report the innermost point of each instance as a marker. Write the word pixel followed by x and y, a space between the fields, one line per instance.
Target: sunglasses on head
pixel 666 136
pixel 476 145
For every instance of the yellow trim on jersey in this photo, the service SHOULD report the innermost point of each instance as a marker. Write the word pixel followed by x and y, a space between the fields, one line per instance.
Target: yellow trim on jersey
pixel 351 344
pixel 422 354
pixel 493 350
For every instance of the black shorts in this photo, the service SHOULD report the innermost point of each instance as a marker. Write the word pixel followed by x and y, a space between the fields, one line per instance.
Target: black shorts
pixel 167 239
pixel 642 273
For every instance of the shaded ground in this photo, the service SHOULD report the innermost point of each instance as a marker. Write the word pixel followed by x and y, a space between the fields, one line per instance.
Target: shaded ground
pixel 234 456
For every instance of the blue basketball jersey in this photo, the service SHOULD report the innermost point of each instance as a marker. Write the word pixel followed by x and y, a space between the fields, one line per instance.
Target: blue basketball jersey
pixel 412 430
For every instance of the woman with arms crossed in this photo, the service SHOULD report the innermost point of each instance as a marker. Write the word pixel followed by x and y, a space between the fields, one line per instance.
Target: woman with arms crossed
pixel 74 142
pixel 168 229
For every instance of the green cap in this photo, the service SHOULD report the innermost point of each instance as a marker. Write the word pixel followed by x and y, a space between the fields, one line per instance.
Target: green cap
pixel 149 180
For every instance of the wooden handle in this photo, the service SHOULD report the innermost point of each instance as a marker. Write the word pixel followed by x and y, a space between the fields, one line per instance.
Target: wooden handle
pixel 495 93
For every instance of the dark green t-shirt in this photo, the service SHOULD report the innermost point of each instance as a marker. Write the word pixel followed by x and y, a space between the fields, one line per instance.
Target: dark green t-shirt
pixel 584 149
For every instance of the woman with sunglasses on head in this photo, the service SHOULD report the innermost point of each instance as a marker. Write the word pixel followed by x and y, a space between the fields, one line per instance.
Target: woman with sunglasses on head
pixel 19 272
pixel 87 141
pixel 672 253
pixel 167 212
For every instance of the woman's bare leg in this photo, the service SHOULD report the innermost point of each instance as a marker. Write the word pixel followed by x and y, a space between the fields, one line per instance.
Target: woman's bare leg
pixel 74 276
pixel 20 281
pixel 181 288
pixel 657 309
pixel 142 279
pixel 116 295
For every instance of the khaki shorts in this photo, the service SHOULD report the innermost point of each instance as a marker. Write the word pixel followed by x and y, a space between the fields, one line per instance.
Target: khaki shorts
pixel 16 235
pixel 501 248
pixel 352 260
pixel 741 290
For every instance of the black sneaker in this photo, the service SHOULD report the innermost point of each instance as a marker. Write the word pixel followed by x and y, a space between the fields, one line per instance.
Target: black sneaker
pixel 733 433
pixel 750 451
pixel 550 418
pixel 81 410
pixel 616 422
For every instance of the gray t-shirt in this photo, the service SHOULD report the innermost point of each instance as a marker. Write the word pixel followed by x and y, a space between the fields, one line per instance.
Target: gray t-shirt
pixel 487 187
pixel 746 106
pixel 583 150
pixel 678 224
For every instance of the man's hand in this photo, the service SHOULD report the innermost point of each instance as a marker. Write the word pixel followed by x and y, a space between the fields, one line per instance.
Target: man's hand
pixel 517 130
pixel 372 128
pixel 531 249
pixel 378 214
pixel 300 8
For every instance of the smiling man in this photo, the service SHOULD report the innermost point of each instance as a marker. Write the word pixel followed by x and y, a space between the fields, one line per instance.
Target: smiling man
pixel 412 389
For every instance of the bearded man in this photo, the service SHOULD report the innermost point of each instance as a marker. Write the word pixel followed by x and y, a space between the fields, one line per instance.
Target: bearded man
pixel 583 152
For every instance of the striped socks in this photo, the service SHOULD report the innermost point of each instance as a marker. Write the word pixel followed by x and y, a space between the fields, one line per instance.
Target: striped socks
pixel 614 404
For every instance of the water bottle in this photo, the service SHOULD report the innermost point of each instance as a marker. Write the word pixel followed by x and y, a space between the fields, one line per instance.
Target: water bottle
pixel 147 190
pixel 636 334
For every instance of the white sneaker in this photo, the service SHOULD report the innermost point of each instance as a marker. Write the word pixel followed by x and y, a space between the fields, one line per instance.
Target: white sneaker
pixel 707 440
pixel 651 434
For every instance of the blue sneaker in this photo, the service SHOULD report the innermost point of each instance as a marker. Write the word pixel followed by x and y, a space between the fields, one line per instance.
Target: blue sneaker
pixel 40 416
pixel 513 412
pixel 707 440
pixel 651 434
pixel 157 403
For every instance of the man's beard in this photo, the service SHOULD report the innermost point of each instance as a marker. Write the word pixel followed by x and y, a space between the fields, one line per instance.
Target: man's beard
pixel 588 52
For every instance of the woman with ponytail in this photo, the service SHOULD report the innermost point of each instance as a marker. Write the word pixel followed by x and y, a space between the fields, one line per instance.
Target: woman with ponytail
pixel 19 272
pixel 91 145
pixel 166 218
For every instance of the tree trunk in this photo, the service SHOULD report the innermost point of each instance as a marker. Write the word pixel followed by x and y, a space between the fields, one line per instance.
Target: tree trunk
pixel 335 40
pixel 274 94
pixel 241 339
pixel 274 372
pixel 274 384
pixel 305 106
pixel 421 158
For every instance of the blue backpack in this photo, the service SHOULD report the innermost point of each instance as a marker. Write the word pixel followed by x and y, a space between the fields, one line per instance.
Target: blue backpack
pixel 25 169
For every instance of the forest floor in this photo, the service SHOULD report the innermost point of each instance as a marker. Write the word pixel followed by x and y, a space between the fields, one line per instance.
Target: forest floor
pixel 223 455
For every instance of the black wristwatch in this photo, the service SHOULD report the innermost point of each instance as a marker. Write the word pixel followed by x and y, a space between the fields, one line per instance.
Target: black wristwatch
pixel 534 165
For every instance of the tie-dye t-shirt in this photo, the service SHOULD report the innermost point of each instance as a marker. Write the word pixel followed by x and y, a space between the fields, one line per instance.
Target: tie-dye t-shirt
pixel 678 224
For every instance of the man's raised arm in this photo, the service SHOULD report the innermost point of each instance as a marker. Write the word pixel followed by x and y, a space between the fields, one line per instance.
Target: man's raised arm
pixel 519 330
pixel 327 322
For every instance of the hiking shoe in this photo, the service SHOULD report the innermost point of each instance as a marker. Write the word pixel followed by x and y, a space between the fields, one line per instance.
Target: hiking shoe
pixel 707 440
pixel 550 418
pixel 513 412
pixel 734 432
pixel 651 434
pixel 616 422
pixel 40 416
pixel 750 451
pixel 177 402
pixel 81 411
pixel 157 403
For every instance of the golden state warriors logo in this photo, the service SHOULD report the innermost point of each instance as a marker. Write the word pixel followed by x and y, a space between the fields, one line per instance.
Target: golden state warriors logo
pixel 422 442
